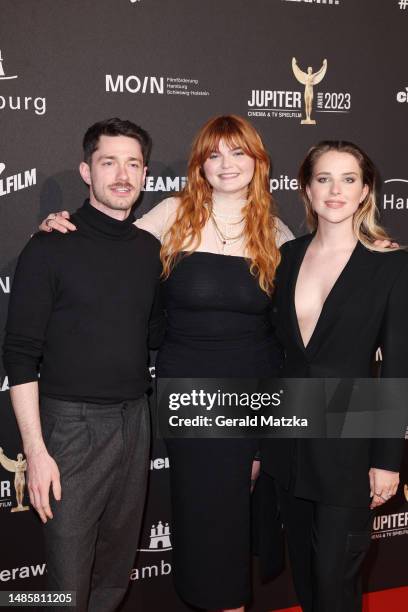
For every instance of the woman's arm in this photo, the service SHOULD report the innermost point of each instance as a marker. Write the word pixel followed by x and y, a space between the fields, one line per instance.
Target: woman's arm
pixel 386 454
pixel 158 220
pixel 283 233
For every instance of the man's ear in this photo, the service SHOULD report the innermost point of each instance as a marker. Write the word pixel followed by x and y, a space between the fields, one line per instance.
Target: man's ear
pixel 85 172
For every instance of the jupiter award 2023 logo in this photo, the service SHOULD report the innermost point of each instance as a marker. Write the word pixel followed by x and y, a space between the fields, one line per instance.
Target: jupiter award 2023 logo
pixel 17 467
pixel 301 104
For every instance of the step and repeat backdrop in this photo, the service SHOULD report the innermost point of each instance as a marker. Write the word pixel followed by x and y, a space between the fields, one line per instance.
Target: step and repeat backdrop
pixel 169 65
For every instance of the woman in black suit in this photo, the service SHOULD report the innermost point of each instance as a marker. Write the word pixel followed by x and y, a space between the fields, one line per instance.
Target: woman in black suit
pixel 338 299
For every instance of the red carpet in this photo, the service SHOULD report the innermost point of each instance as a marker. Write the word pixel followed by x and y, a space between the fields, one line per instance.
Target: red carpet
pixel 392 600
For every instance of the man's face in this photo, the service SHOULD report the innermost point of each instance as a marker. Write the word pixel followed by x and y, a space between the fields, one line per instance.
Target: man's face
pixel 115 175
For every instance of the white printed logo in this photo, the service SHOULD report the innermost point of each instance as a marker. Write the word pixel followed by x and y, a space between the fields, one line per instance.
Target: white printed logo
pixel 16 182
pixel 159 463
pixel 161 85
pixel 3 76
pixel 5 286
pixel 26 103
pixel 165 183
pixel 283 183
pixel 329 2
pixel 299 104
pixel 395 196
pixel 27 571
pixel 390 525
pixel 159 538
pixel 402 96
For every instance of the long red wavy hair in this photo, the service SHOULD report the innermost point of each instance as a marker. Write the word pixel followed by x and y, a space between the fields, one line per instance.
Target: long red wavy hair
pixel 184 235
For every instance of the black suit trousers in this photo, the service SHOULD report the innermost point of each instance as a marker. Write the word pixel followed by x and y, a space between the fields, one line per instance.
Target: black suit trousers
pixel 327 545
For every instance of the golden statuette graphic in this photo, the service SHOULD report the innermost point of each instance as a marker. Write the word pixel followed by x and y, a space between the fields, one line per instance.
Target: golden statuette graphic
pixel 309 79
pixel 18 467
pixel 406 491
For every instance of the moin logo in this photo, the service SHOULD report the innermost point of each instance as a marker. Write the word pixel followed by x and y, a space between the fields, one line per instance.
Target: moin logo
pixel 402 96
pixel 27 103
pixel 148 84
pixel 17 466
pixel 281 104
pixel 16 182
pixel 395 195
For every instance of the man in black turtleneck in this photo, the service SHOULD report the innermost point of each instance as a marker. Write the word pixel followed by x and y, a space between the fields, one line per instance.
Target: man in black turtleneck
pixel 83 311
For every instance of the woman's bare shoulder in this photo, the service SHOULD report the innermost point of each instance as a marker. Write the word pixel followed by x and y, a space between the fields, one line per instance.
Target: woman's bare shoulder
pixel 160 217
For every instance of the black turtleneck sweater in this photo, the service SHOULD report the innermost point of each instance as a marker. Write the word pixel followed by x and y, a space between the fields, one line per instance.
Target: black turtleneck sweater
pixel 83 310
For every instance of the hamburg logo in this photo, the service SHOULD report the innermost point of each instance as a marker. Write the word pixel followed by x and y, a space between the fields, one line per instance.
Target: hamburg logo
pixel 395 196
pixel 18 467
pixel 20 102
pixel 159 538
pixel 3 76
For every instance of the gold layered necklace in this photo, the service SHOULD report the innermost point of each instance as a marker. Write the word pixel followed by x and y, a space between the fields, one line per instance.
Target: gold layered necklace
pixel 226 240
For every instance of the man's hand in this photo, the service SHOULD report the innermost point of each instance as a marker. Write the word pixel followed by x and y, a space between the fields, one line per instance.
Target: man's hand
pixel 386 244
pixel 58 221
pixel 383 486
pixel 42 471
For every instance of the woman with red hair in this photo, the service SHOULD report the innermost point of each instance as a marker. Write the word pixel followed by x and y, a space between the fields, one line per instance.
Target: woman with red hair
pixel 220 250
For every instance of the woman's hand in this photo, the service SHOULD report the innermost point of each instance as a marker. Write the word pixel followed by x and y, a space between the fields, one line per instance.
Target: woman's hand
pixel 383 486
pixel 256 468
pixel 58 221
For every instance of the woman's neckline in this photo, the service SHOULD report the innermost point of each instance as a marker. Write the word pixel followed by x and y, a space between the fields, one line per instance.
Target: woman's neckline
pixel 215 254
pixel 227 208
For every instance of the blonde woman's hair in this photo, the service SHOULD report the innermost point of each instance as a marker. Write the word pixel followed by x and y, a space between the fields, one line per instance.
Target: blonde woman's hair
pixel 365 222
pixel 184 235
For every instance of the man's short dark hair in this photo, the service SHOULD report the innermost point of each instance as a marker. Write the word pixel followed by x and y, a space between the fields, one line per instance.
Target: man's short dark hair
pixel 115 127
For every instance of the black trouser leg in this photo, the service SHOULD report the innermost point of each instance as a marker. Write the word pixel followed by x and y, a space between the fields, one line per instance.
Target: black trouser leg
pixel 119 527
pixel 102 455
pixel 327 545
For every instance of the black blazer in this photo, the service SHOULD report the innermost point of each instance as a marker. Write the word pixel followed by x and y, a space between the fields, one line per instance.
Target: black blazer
pixel 366 309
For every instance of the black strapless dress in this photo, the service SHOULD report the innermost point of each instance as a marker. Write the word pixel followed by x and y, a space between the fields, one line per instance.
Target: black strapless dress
pixel 218 326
